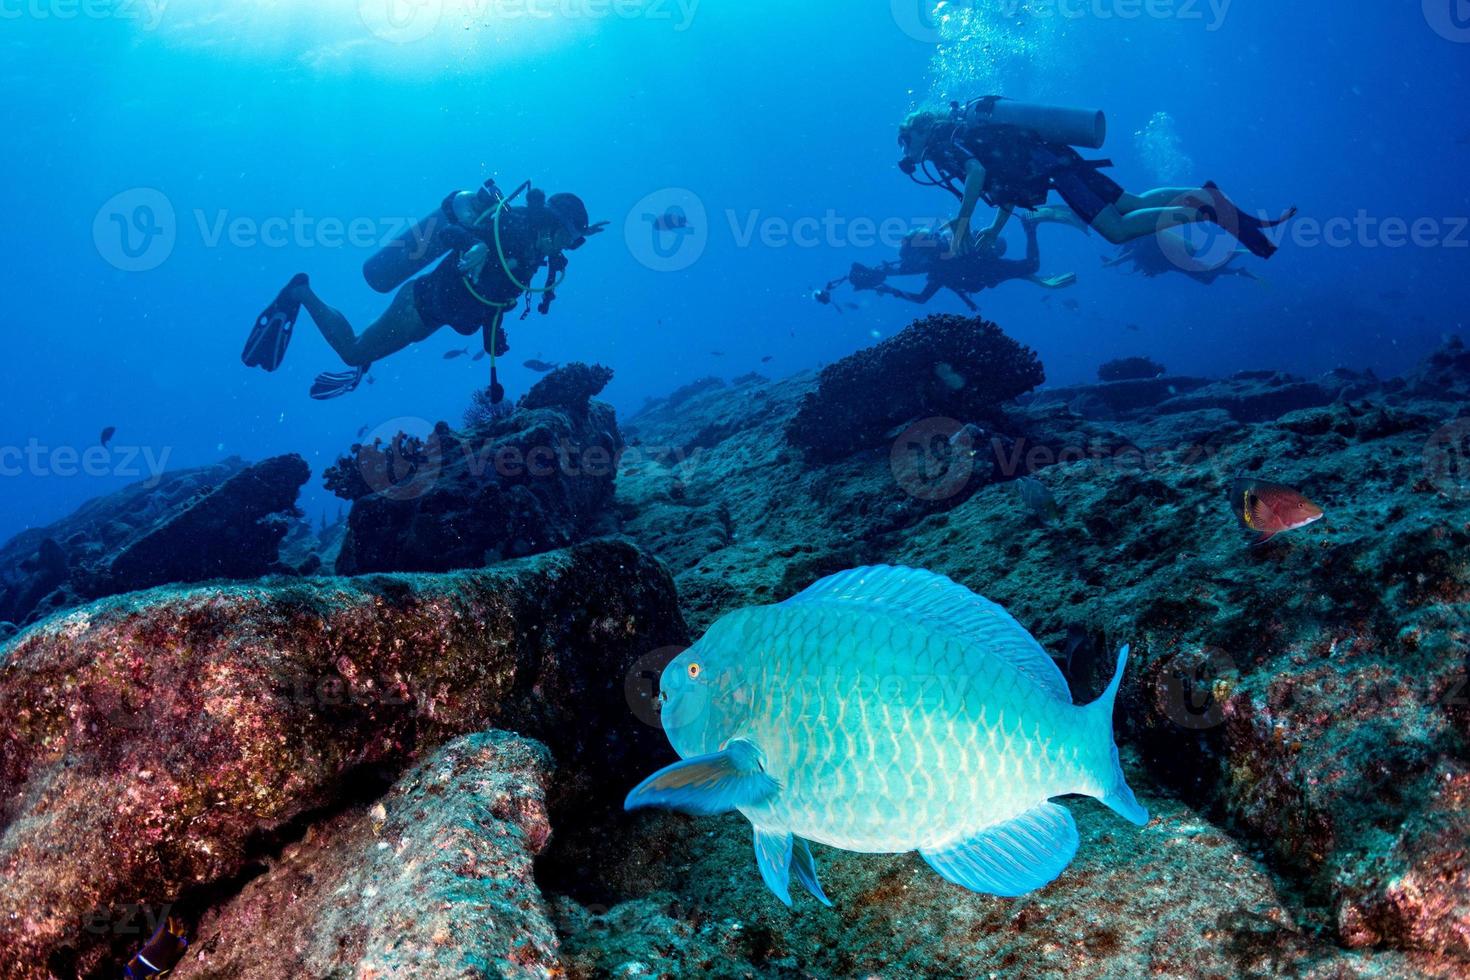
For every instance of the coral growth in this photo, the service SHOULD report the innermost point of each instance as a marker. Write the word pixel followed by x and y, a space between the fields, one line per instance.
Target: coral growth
pixel 1131 369
pixel 943 365
pixel 535 479
pixel 569 388
pixel 483 410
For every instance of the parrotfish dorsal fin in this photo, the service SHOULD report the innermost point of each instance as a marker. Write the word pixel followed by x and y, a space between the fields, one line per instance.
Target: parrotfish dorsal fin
pixel 1011 858
pixel 707 784
pixel 944 604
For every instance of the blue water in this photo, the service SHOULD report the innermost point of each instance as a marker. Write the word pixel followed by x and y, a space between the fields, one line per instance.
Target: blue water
pixel 237 112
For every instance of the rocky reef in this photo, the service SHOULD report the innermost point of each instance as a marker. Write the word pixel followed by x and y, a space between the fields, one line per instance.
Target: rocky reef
pixel 160 745
pixel 943 365
pixel 517 483
pixel 1307 699
pixel 421 774
pixel 220 521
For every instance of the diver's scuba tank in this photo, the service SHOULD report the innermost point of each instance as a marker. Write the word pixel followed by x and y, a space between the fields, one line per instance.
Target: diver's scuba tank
pixel 1087 128
pixel 418 247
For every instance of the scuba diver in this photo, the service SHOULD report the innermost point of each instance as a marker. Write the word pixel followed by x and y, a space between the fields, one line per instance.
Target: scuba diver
pixel 928 253
pixel 1155 255
pixel 494 252
pixel 1013 155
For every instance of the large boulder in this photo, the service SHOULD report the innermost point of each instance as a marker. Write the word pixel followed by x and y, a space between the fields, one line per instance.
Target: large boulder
pixel 221 521
pixel 434 881
pixel 155 743
pixel 519 483
pixel 940 366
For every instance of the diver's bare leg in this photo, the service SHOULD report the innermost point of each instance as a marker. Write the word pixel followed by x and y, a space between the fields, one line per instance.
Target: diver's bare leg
pixel 1119 227
pixel 1160 197
pixel 398 327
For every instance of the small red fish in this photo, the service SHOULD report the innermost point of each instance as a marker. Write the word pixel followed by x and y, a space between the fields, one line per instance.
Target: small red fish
pixel 1270 508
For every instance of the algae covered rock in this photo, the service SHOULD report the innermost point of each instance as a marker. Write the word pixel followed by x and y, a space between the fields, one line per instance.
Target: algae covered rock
pixel 156 743
pixel 944 365
pixel 433 881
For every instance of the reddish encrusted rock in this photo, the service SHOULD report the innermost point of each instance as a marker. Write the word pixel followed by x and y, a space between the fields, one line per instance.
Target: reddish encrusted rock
pixel 154 743
pixel 945 365
pixel 1416 893
pixel 434 881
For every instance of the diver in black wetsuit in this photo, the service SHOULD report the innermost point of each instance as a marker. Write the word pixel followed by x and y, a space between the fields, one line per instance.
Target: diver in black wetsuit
pixel 494 252
pixel 1013 155
pixel 964 273
pixel 1156 255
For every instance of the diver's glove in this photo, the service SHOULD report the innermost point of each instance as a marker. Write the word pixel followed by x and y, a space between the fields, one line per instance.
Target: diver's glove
pixel 473 261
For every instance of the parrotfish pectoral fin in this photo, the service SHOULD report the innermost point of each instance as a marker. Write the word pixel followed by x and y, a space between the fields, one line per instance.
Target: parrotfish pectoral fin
pixel 773 855
pixel 707 784
pixel 804 866
pixel 1011 858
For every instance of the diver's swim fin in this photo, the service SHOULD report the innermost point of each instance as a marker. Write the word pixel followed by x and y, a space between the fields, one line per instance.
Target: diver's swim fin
pixel 336 384
pixel 266 347
pixel 1249 230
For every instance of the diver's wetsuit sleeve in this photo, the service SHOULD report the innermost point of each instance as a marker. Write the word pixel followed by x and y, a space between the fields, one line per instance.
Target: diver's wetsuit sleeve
pixel 456 238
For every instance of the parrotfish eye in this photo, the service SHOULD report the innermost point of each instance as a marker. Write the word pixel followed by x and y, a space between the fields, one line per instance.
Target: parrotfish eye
pixel 694 670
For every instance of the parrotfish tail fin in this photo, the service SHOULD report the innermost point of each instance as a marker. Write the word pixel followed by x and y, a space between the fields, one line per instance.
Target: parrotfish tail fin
pixel 1116 794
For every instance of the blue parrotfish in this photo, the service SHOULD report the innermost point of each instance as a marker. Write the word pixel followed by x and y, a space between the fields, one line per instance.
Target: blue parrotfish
pixel 887 710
